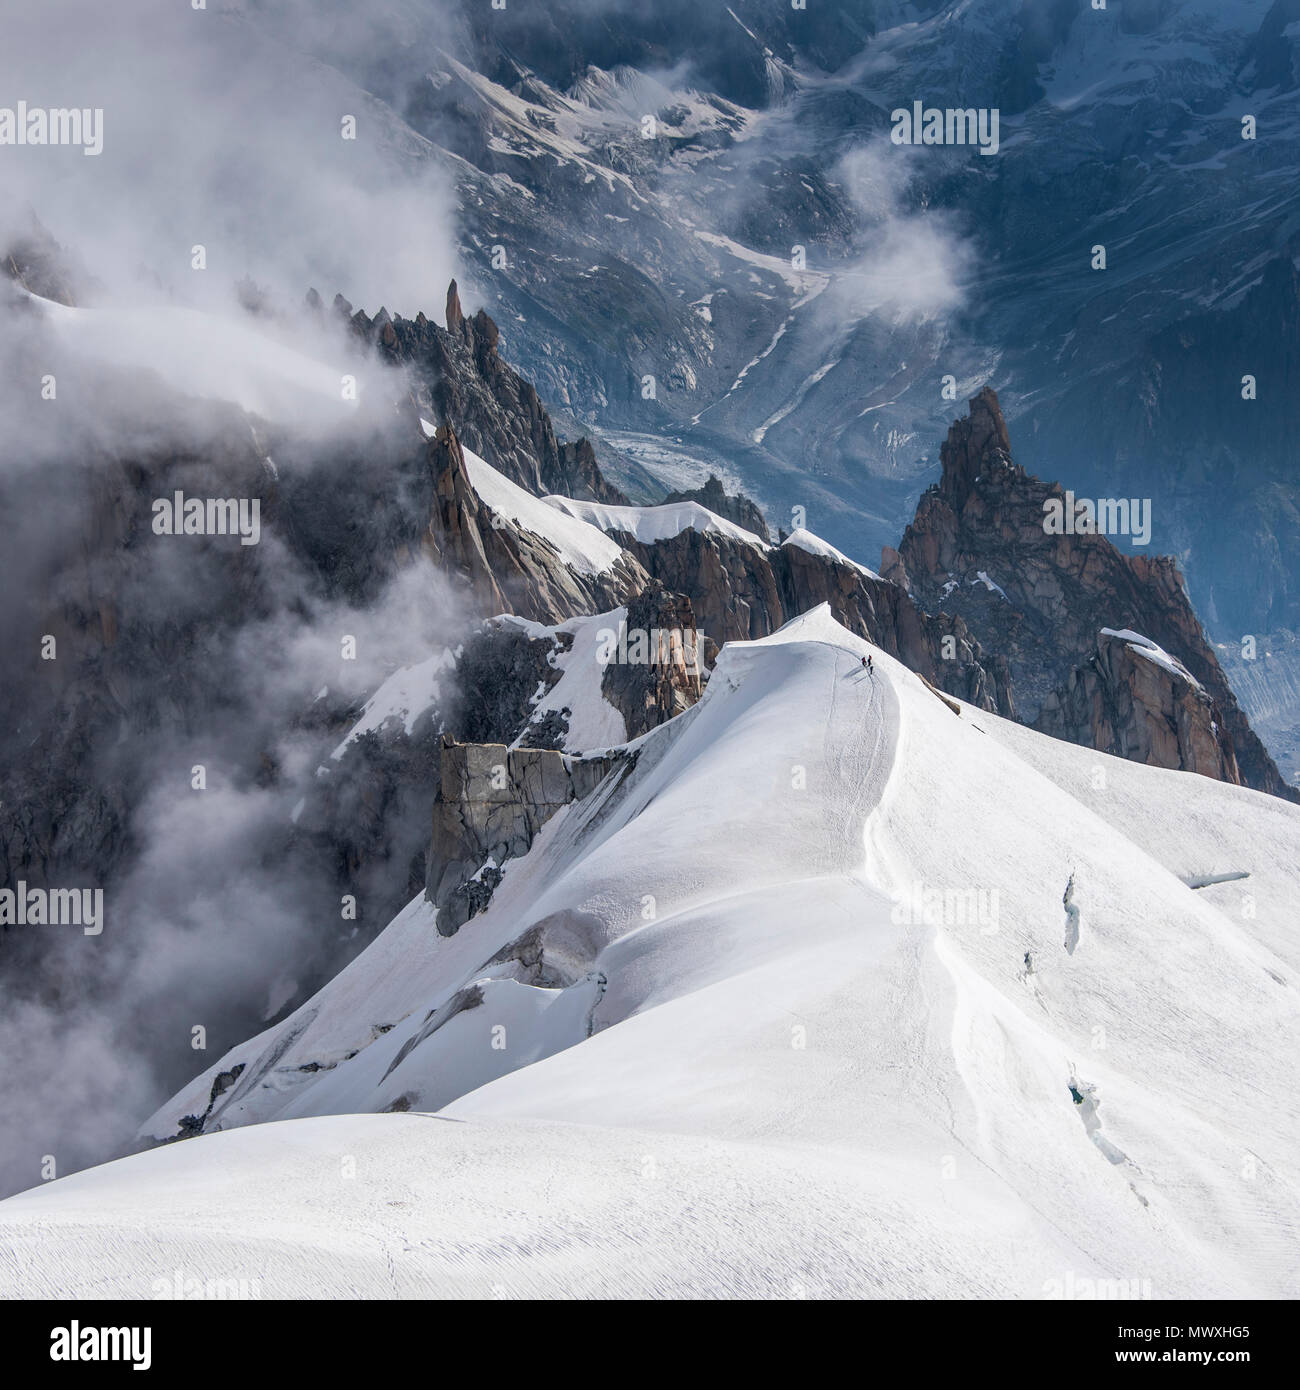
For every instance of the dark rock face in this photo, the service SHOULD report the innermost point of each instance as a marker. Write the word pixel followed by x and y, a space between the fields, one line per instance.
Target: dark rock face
pixel 741 592
pixel 169 654
pixel 463 381
pixel 737 508
pixel 1122 702
pixel 978 546
pixel 78 727
pixel 148 629
pixel 362 827
pixel 491 803
pixel 498 673
pixel 158 642
pixel 732 586
pixel 649 692
pixel 503 568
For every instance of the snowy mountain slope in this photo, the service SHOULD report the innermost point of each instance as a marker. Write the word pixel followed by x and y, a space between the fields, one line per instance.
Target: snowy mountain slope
pixel 650 524
pixel 814 545
pixel 408 694
pixel 804 1068
pixel 580 545
pixel 1221 829
pixel 514 1210
pixel 591 722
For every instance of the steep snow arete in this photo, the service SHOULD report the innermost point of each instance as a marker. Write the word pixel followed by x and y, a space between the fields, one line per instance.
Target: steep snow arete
pixel 698 1044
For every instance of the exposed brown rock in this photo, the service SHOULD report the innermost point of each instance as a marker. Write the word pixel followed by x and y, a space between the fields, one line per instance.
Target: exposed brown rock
pixel 741 592
pixel 1121 702
pixel 504 568
pixel 649 692
pixel 986 517
pixel 497 413
pixel 455 316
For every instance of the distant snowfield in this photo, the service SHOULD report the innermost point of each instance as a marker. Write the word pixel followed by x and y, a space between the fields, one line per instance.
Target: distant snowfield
pixel 808 1026
pixel 678 467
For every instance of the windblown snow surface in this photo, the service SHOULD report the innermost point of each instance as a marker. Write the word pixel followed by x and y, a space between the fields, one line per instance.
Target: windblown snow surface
pixel 650 524
pixel 814 545
pixel 762 1054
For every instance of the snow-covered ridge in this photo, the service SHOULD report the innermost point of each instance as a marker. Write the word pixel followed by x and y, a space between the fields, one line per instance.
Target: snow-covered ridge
pixel 814 545
pixel 650 524
pixel 580 530
pixel 583 546
pixel 592 723
pixel 825 947
pixel 408 693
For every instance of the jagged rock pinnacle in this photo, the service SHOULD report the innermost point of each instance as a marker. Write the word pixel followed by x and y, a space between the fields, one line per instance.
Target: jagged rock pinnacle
pixel 979 548
pixel 972 445
pixel 455 315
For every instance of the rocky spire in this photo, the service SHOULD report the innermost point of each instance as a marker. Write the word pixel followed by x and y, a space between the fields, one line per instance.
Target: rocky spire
pixel 975 446
pixel 455 315
pixel 979 546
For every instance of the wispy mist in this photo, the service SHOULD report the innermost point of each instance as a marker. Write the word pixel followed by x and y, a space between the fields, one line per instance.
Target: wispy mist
pixel 225 189
pixel 217 133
